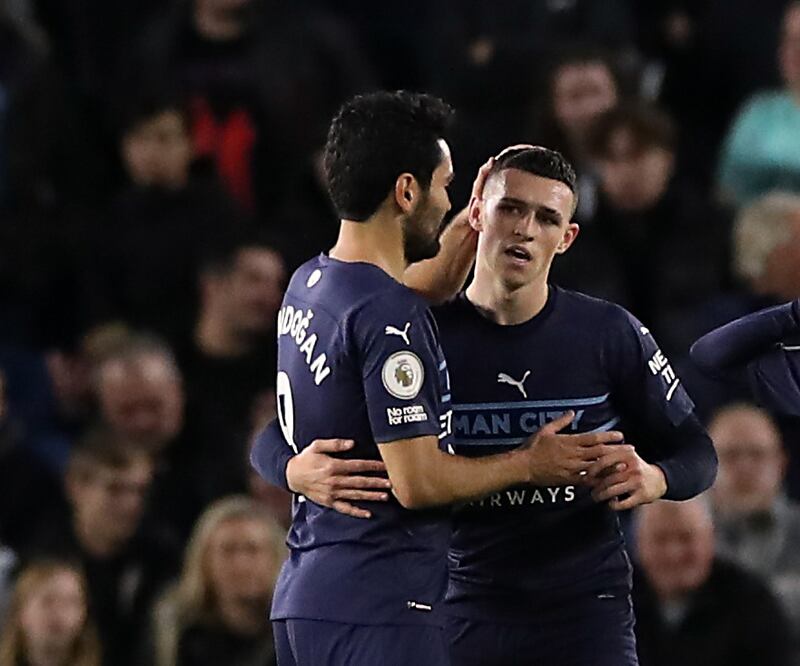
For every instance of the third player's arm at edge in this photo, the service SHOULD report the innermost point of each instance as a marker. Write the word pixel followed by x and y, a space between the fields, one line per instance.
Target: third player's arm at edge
pixel 727 350
pixel 424 476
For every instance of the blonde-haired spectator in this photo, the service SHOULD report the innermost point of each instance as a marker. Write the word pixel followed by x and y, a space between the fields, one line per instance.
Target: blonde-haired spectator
pixel 215 613
pixel 48 622
pixel 767 245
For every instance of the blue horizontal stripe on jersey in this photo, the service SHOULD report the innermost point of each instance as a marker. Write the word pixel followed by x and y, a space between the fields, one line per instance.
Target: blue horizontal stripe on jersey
pixel 532 404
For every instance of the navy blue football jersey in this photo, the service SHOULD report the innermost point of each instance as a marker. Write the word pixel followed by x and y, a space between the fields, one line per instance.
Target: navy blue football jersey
pixel 762 348
pixel 359 358
pixel 528 547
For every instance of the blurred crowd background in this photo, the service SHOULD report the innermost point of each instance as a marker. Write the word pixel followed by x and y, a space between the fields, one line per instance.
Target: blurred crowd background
pixel 160 179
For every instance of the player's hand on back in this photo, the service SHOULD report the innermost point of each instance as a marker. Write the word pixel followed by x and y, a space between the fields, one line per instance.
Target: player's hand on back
pixel 336 483
pixel 557 459
pixel 624 480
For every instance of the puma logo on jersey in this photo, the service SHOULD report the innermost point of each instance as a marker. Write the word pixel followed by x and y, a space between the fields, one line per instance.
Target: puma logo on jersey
pixel 503 378
pixel 391 330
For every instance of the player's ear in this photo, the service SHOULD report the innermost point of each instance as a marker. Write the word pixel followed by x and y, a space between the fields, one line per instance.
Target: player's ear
pixel 406 192
pixel 475 214
pixel 570 234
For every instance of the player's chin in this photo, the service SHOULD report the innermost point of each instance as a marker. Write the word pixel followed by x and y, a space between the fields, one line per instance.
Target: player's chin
pixel 517 271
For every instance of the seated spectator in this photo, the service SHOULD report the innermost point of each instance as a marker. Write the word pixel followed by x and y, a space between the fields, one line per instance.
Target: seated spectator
pixel 107 485
pixel 160 224
pixel 693 609
pixel 196 424
pixel 767 246
pixel 757 525
pixel 49 623
pixel 583 85
pixel 139 390
pixel 215 615
pixel 263 78
pixel 655 246
pixel 229 362
pixel 762 149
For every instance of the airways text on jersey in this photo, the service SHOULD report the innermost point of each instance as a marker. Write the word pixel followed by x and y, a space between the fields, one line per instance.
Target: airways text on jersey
pixel 296 323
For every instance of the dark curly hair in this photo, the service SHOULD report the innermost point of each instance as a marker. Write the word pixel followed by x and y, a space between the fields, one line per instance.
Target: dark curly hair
pixel 376 137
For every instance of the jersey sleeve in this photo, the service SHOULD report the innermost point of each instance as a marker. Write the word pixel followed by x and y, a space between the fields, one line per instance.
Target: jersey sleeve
pixel 270 455
pixel 658 413
pixel 400 359
pixel 764 348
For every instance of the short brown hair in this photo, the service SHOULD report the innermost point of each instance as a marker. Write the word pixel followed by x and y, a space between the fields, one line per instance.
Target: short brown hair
pixel 648 127
pixel 100 447
pixel 85 650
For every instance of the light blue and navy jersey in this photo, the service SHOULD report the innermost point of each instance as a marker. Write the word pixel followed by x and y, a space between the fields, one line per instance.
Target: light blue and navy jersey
pixel 530 547
pixel 359 358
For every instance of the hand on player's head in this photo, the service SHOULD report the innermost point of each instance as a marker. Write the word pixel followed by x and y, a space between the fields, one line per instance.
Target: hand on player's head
pixel 479 183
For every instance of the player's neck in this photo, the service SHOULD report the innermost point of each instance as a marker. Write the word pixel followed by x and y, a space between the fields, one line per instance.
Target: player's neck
pixel 503 305
pixel 378 241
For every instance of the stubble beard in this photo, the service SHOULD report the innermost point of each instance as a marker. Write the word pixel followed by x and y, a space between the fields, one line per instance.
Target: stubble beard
pixel 418 243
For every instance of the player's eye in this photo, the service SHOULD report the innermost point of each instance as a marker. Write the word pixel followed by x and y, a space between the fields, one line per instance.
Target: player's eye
pixel 510 209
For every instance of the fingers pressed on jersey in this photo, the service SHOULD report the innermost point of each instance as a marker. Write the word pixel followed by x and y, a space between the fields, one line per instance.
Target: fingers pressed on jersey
pixel 595 452
pixel 350 510
pixel 591 438
pixel 357 466
pixel 560 423
pixel 361 482
pixel 609 471
pixel 361 495
pixel 614 456
pixel 633 500
pixel 615 491
pixel 332 445
pixel 601 483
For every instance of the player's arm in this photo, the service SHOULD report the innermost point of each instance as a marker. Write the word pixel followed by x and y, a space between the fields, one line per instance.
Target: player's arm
pixel 316 474
pixel 422 475
pixel 685 466
pixel 732 346
pixel 673 456
pixel 441 278
pixel 764 349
